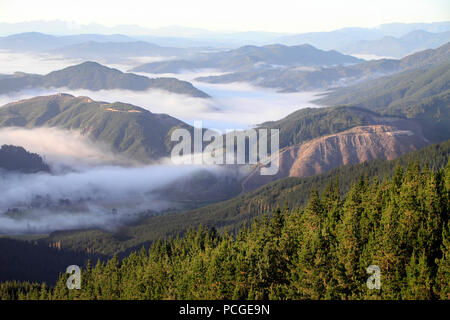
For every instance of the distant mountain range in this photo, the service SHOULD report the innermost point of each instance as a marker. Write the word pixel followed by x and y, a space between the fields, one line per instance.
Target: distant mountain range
pixel 94 76
pixel 40 42
pixel 345 37
pixel 116 51
pixel 187 36
pixel 103 48
pixel 130 131
pixel 399 47
pixel 292 79
pixel 392 40
pixel 251 57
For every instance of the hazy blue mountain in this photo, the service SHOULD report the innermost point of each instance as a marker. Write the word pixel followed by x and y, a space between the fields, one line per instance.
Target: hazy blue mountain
pixel 250 57
pixel 345 37
pixel 400 29
pixel 170 66
pixel 110 48
pixel 128 130
pixel 332 39
pixel 94 49
pixel 40 42
pixel 298 79
pixel 94 76
pixel 399 47
pixel 186 36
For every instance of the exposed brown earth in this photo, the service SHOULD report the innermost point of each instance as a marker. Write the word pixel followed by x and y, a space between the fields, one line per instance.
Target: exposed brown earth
pixel 359 144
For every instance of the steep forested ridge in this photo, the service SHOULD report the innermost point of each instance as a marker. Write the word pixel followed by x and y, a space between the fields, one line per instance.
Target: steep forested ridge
pixel 321 251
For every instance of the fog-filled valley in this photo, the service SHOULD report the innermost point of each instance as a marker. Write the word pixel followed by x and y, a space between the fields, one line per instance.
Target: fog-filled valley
pixel 92 184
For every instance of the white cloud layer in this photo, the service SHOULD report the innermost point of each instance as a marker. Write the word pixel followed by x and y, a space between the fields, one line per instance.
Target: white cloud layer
pixel 93 193
pixel 233 106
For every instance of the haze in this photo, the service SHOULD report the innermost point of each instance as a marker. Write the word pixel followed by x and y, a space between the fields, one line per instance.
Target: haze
pixel 280 16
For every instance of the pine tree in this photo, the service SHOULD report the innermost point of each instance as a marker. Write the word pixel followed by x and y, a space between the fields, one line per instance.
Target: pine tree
pixel 442 287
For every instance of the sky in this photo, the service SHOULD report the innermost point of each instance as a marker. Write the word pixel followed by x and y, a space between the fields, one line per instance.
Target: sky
pixel 231 15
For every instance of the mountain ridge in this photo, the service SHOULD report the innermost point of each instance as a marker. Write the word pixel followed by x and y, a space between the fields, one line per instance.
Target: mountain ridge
pixel 323 78
pixel 94 76
pixel 246 57
pixel 129 131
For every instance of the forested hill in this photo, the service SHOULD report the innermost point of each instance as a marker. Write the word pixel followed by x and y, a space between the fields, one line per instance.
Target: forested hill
pixel 322 251
pixel 13 158
pixel 94 76
pixel 133 132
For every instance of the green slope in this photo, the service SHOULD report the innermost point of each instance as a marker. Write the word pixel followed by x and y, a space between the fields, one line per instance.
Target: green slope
pixel 129 130
pixel 422 94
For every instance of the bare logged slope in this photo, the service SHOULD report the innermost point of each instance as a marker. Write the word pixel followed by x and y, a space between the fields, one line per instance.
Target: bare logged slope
pixel 352 146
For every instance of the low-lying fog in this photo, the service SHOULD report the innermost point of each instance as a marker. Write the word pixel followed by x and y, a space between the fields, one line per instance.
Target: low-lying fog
pixel 84 189
pixel 233 106
pixel 44 63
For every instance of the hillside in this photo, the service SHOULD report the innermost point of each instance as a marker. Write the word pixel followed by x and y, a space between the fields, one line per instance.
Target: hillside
pixel 94 76
pixel 384 93
pixel 422 94
pixel 126 129
pixel 14 158
pixel 249 57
